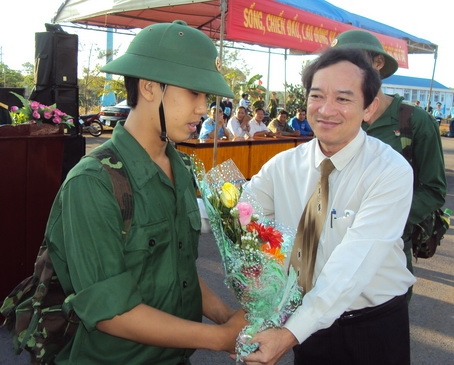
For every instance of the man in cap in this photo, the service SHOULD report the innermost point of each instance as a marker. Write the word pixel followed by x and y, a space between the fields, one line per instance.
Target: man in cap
pixel 426 149
pixel 139 298
pixel 438 113
pixel 208 130
pixel 245 102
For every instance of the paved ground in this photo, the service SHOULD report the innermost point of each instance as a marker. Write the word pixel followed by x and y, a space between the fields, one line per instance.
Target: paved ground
pixel 431 309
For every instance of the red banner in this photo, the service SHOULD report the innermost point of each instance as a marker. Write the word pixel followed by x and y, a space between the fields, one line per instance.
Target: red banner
pixel 271 24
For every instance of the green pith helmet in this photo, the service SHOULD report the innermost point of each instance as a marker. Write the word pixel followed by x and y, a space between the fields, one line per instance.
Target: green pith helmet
pixel 174 54
pixel 368 42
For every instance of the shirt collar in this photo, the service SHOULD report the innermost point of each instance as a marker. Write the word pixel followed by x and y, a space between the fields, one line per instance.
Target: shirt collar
pixel 141 167
pixel 345 155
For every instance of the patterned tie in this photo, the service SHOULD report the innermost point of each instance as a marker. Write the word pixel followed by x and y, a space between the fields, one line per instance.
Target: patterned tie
pixel 309 229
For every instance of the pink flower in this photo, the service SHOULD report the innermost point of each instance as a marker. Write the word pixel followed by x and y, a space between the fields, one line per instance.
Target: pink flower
pixel 48 114
pixel 36 114
pixel 57 120
pixel 245 212
pixel 34 105
pixel 14 108
pixel 59 113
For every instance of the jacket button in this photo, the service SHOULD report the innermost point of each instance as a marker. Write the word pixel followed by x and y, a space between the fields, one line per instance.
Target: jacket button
pixel 180 244
pixel 185 284
pixel 151 242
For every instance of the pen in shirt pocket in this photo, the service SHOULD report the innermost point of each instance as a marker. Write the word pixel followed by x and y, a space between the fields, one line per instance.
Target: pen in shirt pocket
pixel 333 216
pixel 348 214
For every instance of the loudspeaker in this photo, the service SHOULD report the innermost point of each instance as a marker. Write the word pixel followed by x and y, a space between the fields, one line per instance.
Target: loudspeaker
pixel 75 147
pixel 56 59
pixel 9 99
pixel 66 98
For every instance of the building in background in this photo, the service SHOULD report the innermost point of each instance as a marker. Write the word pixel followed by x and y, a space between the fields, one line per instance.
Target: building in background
pixel 414 88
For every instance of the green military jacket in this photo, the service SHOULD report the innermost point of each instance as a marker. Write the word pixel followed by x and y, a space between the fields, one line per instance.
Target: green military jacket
pixel 155 265
pixel 428 162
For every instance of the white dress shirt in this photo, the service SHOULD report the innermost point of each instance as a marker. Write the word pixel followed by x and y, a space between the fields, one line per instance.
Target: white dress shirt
pixel 234 126
pixel 360 260
pixel 255 126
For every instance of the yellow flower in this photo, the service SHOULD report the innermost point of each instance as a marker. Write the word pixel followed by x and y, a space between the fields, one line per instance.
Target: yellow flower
pixel 229 195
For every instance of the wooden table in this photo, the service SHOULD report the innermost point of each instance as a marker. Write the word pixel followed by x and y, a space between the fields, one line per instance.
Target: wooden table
pixel 248 155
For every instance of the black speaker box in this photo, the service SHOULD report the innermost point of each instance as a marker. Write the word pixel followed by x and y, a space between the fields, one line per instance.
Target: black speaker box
pixel 9 99
pixel 56 59
pixel 75 146
pixel 66 98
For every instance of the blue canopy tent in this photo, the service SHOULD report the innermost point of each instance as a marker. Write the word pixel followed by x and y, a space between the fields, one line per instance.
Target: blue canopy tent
pixel 206 16
pixel 211 16
pixel 328 10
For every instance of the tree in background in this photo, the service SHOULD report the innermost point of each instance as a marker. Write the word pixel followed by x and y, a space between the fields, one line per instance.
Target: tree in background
pixel 253 87
pixel 296 95
pixel 91 85
pixel 236 72
pixel 13 78
pixel 296 98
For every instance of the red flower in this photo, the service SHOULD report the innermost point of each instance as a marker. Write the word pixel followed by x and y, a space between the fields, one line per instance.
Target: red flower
pixel 267 234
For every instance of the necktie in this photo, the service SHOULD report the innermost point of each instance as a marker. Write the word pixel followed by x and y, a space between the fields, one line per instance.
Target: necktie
pixel 309 229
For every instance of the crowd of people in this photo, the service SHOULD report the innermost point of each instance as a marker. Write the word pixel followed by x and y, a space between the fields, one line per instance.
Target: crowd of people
pixel 251 120
pixel 439 114
pixel 140 299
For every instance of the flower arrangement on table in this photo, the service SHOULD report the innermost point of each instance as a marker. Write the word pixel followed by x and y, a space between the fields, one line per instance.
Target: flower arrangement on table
pixel 33 112
pixel 252 250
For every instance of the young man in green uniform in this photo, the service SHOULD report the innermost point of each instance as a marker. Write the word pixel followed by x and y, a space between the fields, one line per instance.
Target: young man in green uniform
pixel 427 153
pixel 140 301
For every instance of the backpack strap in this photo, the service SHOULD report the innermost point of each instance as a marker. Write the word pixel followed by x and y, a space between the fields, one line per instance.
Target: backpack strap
pixel 121 185
pixel 190 165
pixel 186 159
pixel 406 134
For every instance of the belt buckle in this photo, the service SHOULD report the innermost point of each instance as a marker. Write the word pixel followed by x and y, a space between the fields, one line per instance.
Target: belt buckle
pixel 351 317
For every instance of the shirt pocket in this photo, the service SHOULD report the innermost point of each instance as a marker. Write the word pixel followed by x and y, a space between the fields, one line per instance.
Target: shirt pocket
pixel 193 211
pixel 147 246
pixel 343 222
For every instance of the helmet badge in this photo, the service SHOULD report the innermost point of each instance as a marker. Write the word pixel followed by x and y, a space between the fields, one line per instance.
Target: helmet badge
pixel 218 63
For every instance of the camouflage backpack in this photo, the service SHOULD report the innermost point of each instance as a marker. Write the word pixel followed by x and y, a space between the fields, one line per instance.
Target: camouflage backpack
pixel 426 235
pixel 37 314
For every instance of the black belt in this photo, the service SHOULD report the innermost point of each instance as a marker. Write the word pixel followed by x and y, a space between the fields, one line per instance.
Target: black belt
pixel 367 313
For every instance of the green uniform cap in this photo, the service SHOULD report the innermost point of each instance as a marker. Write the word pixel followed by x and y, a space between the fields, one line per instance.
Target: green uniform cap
pixel 174 54
pixel 368 42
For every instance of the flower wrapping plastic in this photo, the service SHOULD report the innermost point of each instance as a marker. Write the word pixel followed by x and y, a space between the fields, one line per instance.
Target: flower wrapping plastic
pixel 252 250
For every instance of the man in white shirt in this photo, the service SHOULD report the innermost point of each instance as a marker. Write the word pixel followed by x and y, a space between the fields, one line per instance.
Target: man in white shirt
pixel 256 126
pixel 356 311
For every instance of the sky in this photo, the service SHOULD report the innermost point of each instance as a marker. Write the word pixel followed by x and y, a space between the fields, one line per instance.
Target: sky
pixel 430 20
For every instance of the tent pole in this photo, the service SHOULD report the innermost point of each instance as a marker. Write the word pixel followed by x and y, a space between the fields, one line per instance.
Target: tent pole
pixel 267 99
pixel 285 79
pixel 223 4
pixel 433 76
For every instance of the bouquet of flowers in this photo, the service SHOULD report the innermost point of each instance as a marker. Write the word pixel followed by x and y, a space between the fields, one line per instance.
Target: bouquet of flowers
pixel 34 112
pixel 252 251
